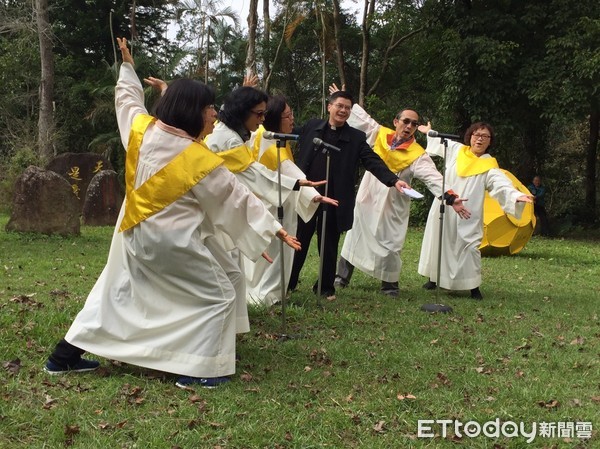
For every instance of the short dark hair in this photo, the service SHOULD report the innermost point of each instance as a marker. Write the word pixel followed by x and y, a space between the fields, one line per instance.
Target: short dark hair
pixel 183 104
pixel 476 126
pixel 238 105
pixel 275 107
pixel 340 94
pixel 399 114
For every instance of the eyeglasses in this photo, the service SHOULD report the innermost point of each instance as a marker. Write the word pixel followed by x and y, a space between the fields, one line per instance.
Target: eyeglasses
pixel 288 115
pixel 345 107
pixel 481 136
pixel 259 114
pixel 406 121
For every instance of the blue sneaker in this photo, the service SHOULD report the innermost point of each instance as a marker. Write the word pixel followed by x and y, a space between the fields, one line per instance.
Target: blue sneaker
pixel 204 382
pixel 82 366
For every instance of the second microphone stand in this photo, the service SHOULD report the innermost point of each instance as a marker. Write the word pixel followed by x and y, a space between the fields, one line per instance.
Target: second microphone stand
pixel 327 153
pixel 440 307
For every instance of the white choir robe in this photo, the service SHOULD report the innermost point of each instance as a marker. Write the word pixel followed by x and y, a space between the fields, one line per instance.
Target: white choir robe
pixel 263 280
pixel 461 259
pixel 381 214
pixel 163 301
pixel 264 183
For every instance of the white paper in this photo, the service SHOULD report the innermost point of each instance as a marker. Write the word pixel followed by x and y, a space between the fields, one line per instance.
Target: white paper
pixel 413 193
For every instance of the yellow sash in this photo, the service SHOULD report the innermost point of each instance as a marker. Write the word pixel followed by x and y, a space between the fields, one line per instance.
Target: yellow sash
pixel 399 158
pixel 237 159
pixel 172 181
pixel 468 164
pixel 269 157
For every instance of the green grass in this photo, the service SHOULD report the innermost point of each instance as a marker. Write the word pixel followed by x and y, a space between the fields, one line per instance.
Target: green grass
pixel 528 352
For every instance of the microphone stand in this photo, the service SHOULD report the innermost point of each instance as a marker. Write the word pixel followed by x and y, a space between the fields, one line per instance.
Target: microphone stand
pixel 327 153
pixel 440 307
pixel 281 144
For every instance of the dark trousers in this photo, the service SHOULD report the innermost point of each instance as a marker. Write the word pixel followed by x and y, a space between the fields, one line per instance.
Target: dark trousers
pixel 65 354
pixel 304 234
pixel 540 213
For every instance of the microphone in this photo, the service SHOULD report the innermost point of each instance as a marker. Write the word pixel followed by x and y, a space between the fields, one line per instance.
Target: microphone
pixel 432 133
pixel 280 136
pixel 319 144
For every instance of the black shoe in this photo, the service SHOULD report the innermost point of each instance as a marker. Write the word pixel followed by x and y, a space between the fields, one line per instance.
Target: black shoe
pixel 476 293
pixel 429 285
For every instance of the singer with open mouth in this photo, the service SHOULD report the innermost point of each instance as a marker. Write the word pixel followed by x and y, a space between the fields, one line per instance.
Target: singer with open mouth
pixel 471 171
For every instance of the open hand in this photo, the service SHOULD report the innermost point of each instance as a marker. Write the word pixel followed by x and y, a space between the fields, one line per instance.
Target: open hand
pixel 460 209
pixel 307 183
pixel 325 200
pixel 157 84
pixel 125 53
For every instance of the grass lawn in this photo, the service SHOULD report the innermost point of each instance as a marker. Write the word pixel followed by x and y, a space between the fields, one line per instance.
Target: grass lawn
pixel 362 372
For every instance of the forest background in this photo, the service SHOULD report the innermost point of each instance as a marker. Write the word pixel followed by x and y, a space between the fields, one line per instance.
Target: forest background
pixel 530 68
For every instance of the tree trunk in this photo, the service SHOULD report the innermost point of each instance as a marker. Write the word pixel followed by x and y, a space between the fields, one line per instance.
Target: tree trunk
pixel 206 56
pixel 337 27
pixel 266 43
pixel 592 160
pixel 252 25
pixel 368 11
pixel 46 117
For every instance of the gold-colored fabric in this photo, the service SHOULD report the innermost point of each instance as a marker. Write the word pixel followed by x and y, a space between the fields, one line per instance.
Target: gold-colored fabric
pixel 468 164
pixel 168 184
pixel 269 157
pixel 400 157
pixel 237 159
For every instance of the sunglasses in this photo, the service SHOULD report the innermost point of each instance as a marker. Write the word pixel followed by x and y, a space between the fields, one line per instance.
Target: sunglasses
pixel 406 121
pixel 259 114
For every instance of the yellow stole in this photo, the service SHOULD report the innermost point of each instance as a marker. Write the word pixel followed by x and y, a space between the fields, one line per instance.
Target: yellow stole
pixel 172 181
pixel 399 158
pixel 237 159
pixel 269 157
pixel 468 164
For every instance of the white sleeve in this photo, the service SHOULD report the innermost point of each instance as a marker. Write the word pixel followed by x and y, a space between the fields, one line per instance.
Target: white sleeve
pixel 360 119
pixel 424 170
pixel 129 100
pixel 234 210
pixel 305 206
pixel 501 188
pixel 436 148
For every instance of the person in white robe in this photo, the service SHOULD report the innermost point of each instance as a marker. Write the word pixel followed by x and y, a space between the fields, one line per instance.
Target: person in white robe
pixel 471 171
pixel 233 139
pixel 381 215
pixel 263 279
pixel 163 301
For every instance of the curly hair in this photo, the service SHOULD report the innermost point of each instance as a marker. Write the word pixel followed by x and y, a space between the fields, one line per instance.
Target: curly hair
pixel 237 107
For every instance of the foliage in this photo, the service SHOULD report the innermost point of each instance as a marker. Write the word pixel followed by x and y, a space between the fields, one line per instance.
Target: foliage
pixel 361 372
pixel 529 68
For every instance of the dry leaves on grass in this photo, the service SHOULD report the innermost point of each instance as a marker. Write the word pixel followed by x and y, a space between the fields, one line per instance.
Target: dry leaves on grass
pixel 379 427
pixel 13 367
pixel 553 403
pixel 402 396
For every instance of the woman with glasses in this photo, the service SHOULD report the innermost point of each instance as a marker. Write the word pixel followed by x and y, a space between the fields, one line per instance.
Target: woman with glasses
pixel 471 171
pixel 263 280
pixel 243 111
pixel 163 300
pixel 381 214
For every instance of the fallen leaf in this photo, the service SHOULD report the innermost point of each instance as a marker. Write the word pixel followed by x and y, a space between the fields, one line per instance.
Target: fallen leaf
pixel 246 377
pixel 13 366
pixel 288 436
pixel 379 427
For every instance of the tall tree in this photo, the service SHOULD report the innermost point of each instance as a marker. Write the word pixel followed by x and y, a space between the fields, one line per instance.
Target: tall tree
pixel 368 13
pixel 46 115
pixel 252 26
pixel 337 32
